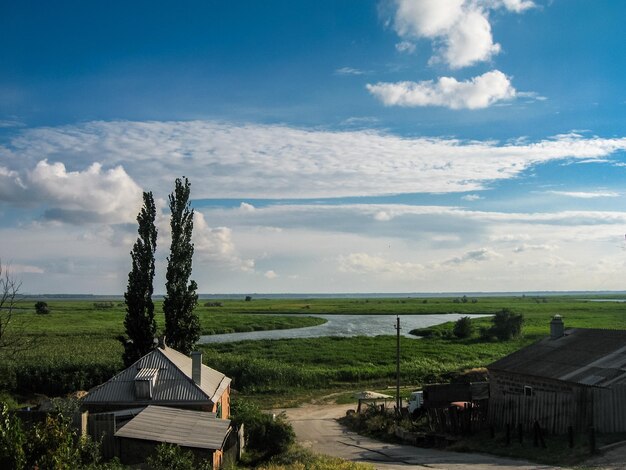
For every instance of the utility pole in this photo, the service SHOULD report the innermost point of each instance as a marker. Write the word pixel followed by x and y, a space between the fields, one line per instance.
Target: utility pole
pixel 398 399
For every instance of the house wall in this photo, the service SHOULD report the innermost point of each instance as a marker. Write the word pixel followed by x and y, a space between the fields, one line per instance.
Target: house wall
pixel 506 383
pixel 554 405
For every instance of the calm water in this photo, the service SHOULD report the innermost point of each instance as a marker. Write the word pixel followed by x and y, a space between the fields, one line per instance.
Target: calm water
pixel 344 325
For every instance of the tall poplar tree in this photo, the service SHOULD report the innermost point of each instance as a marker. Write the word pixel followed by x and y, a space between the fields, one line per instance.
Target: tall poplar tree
pixel 182 327
pixel 139 322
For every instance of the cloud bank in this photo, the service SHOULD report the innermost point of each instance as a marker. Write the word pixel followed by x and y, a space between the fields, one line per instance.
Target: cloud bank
pixel 101 166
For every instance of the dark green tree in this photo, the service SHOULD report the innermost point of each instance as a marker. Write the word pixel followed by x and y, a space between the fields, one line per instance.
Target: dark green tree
pixel 463 327
pixel 182 327
pixel 506 325
pixel 139 322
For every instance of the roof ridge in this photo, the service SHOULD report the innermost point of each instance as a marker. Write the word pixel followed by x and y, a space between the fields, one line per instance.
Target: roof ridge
pixel 190 378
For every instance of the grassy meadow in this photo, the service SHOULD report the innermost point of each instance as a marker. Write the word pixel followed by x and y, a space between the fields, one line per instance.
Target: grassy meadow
pixel 75 346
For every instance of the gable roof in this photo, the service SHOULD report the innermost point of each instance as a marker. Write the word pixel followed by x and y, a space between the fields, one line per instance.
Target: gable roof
pixel 173 384
pixel 583 356
pixel 186 428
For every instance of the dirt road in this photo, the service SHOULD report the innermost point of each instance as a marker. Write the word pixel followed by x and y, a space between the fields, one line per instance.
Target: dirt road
pixel 316 428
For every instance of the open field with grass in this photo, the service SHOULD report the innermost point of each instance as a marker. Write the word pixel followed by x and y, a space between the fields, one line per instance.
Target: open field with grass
pixel 75 346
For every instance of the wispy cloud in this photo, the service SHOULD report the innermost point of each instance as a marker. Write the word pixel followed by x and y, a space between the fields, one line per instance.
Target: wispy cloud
pixel 476 93
pixel 364 263
pixel 471 197
pixel 585 194
pixel 349 71
pixel 482 254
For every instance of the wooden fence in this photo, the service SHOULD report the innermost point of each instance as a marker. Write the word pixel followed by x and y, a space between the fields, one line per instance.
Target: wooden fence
pixel 609 409
pixel 554 411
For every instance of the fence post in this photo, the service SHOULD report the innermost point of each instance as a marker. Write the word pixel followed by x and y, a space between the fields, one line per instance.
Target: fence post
pixel 507 438
pixel 520 432
pixel 570 435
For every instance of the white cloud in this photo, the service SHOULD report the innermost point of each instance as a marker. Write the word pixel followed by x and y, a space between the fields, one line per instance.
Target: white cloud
pixel 471 197
pixel 476 93
pixel 349 71
pixel 530 247
pixel 363 263
pixel 383 216
pixel 93 194
pixel 7 123
pixel 585 194
pixel 405 46
pixel 516 6
pixel 257 161
pixel 460 29
pixel 270 274
pixel 216 245
pixel 25 268
pixel 245 207
pixel 469 41
pixel 473 256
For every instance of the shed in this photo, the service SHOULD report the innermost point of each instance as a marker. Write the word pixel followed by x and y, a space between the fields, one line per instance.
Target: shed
pixel 367 396
pixel 198 431
pixel 575 377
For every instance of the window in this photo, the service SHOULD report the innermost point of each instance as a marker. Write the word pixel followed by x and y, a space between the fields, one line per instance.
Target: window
pixel 528 391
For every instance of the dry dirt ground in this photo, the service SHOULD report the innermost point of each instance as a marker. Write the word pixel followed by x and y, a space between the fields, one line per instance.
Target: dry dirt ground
pixel 317 428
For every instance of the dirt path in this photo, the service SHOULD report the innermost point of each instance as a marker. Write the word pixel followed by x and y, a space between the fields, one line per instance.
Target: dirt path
pixel 317 428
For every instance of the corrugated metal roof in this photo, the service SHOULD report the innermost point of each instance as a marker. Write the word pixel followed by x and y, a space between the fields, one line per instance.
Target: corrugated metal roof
pixel 173 384
pixel 146 374
pixel 583 355
pixel 183 427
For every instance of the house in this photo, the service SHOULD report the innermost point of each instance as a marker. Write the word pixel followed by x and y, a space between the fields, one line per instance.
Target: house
pixel 574 378
pixel 164 377
pixel 206 436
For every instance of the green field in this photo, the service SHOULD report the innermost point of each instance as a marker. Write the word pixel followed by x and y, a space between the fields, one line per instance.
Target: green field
pixel 75 346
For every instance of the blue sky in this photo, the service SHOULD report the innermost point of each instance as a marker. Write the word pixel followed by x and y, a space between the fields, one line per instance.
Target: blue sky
pixel 354 146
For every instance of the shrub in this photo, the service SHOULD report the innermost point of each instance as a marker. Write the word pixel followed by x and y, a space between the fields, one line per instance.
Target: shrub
pixel 42 308
pixel 12 440
pixel 426 332
pixel 103 305
pixel 172 457
pixel 265 433
pixel 463 328
pixel 506 324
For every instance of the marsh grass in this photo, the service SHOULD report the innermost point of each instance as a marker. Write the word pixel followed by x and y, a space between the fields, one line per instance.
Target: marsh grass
pixel 75 346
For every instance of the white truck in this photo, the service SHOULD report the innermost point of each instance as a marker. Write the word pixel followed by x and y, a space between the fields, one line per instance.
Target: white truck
pixel 416 400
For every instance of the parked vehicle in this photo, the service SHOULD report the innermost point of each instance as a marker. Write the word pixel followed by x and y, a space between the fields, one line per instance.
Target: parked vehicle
pixel 416 400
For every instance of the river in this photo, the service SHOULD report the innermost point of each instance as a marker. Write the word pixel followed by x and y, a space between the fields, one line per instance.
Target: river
pixel 344 325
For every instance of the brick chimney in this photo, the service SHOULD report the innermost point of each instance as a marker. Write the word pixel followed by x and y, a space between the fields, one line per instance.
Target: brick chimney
pixel 196 367
pixel 557 328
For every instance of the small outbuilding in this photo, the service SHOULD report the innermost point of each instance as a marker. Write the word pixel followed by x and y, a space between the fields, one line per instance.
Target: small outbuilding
pixel 205 435
pixel 371 398
pixel 575 378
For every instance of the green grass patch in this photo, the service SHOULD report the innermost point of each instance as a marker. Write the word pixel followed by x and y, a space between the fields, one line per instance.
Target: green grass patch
pixel 75 346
